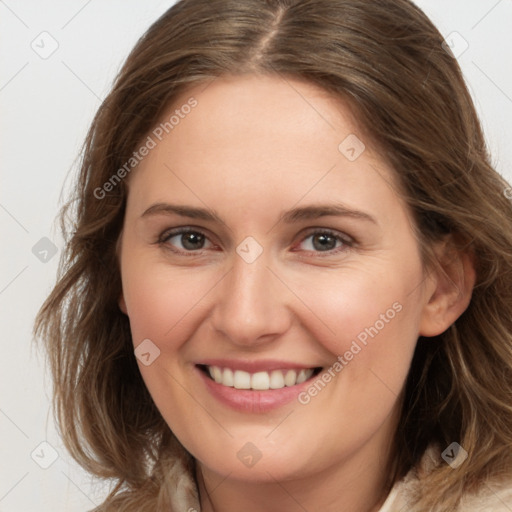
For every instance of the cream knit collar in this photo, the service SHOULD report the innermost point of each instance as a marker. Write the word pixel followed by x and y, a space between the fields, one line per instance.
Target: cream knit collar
pixel 494 498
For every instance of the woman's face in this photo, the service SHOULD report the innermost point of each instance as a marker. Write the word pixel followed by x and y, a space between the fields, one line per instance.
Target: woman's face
pixel 264 245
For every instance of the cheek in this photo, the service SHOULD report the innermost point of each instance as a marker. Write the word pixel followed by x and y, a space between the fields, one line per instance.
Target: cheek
pixel 164 307
pixel 161 303
pixel 369 323
pixel 375 326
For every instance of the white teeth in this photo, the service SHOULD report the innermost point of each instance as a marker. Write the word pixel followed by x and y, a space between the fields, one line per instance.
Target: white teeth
pixel 260 381
pixel 302 376
pixel 217 374
pixel 242 380
pixel 290 378
pixel 228 378
pixel 276 380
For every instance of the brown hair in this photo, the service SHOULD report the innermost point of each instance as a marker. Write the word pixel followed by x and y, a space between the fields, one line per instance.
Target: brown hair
pixel 387 60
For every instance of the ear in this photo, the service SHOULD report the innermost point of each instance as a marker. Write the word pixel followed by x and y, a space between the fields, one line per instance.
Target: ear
pixel 449 289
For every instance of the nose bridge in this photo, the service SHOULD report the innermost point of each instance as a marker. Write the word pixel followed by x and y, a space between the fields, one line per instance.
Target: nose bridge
pixel 250 305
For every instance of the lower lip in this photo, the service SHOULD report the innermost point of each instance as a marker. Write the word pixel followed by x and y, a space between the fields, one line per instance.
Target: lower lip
pixel 247 400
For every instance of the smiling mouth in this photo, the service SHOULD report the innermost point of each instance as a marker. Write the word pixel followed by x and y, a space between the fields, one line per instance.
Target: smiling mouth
pixel 259 381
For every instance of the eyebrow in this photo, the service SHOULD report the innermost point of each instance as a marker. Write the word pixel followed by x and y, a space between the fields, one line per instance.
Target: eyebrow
pixel 295 215
pixel 317 211
pixel 182 210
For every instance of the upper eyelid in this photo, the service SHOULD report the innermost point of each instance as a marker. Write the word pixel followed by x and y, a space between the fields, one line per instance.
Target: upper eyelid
pixel 348 242
pixel 330 231
pixel 164 237
pixel 193 229
pixel 168 233
pixel 347 239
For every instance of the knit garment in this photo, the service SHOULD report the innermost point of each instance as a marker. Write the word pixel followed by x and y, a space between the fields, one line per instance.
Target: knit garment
pixel 493 497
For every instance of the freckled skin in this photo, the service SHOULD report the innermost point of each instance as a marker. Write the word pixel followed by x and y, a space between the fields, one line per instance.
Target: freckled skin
pixel 252 149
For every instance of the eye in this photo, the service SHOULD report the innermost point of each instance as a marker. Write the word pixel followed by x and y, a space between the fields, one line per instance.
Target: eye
pixel 186 240
pixel 324 241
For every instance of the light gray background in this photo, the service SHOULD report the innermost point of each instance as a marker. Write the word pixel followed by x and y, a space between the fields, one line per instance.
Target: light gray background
pixel 46 107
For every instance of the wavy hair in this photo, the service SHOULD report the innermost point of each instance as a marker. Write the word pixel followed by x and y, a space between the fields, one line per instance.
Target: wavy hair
pixel 387 60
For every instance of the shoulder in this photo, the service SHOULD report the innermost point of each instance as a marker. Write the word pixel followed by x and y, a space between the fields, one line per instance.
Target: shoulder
pixel 493 497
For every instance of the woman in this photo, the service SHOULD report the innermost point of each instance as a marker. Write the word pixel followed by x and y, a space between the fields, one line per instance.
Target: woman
pixel 288 282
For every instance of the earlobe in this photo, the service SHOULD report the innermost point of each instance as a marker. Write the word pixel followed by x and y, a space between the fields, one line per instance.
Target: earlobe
pixel 450 288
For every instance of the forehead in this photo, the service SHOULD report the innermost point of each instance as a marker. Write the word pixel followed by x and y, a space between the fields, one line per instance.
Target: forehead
pixel 259 108
pixel 262 135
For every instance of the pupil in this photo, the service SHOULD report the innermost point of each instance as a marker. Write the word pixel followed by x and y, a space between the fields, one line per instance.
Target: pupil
pixel 324 242
pixel 192 241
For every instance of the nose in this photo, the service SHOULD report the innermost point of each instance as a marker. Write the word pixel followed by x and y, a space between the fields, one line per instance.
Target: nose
pixel 251 306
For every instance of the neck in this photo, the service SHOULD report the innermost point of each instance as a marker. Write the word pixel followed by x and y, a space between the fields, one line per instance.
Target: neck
pixel 358 483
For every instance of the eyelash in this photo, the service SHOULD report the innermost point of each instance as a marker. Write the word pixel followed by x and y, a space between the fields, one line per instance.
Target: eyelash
pixel 347 241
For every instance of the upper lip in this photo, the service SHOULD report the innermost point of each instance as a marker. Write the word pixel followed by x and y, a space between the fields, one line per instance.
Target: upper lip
pixel 263 365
